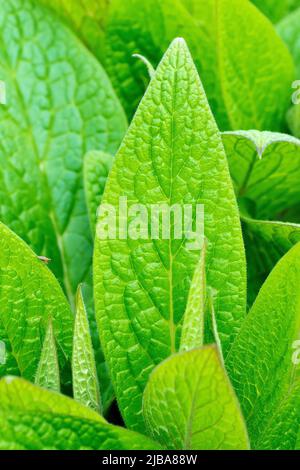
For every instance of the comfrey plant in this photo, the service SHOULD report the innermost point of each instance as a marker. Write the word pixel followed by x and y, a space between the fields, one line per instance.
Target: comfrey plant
pixel 199 336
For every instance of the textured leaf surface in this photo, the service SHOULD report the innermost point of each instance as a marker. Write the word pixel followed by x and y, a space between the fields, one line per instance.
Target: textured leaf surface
pixel 29 296
pixel 190 404
pixel 240 82
pixel 172 153
pixel 265 168
pixel 266 242
pixel 97 166
pixel 85 17
pixel 85 381
pixel 107 392
pixel 289 31
pixel 193 321
pixel 60 104
pixel 245 75
pixel 47 374
pixel 276 9
pixel 36 419
pixel 261 365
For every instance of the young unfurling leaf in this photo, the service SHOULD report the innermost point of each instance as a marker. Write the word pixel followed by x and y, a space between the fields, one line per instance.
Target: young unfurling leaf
pixel 47 374
pixel 257 162
pixel 193 321
pixel 85 381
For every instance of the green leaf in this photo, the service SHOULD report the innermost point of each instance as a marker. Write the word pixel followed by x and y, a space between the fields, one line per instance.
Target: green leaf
pixel 266 242
pixel 60 104
pixel 85 381
pixel 289 31
pixel 85 17
pixel 172 154
pixel 30 296
pixel 95 170
pixel 239 100
pixel 261 362
pixel 150 68
pixel 189 404
pixel 97 166
pixel 47 374
pixel 276 9
pixel 37 419
pixel 293 120
pixel 213 323
pixel 107 392
pixel 193 321
pixel 265 168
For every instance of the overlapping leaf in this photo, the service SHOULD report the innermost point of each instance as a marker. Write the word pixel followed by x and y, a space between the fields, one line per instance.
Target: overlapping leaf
pixel 289 31
pixel 261 362
pixel 240 78
pixel 190 404
pixel 172 154
pixel 85 17
pixel 192 333
pixel 60 104
pixel 29 296
pixel 265 168
pixel 35 419
pixel 96 169
pixel 266 242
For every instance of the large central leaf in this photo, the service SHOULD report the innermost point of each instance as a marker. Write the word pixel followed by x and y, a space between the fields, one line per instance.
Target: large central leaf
pixel 59 105
pixel 172 154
